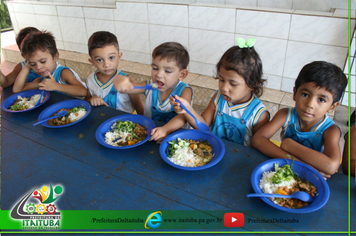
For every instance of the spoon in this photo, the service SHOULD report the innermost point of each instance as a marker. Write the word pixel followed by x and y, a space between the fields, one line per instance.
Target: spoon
pixel 148 86
pixel 60 114
pixel 303 196
pixel 202 126
pixel 39 100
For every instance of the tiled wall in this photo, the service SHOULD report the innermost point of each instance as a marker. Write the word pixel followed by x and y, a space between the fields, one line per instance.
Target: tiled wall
pixel 286 39
pixel 352 77
pixel 310 5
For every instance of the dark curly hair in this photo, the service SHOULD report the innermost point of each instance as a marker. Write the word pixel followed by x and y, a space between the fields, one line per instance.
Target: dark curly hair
pixel 245 62
pixel 23 33
pixel 324 75
pixel 41 40
pixel 101 39
pixel 173 51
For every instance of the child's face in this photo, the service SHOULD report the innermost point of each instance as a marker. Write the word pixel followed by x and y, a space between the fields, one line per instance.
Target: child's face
pixel 42 62
pixel 106 59
pixel 166 74
pixel 312 102
pixel 233 86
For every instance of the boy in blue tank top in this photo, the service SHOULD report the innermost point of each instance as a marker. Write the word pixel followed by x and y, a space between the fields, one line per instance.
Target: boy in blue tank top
pixel 235 113
pixel 169 67
pixel 308 134
pixel 105 56
pixel 9 79
pixel 40 51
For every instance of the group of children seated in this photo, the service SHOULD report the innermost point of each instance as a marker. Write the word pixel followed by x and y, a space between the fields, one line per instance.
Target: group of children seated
pixel 234 112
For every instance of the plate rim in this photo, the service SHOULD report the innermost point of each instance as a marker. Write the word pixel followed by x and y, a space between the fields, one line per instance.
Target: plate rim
pixel 210 164
pixel 18 94
pixel 45 124
pixel 325 198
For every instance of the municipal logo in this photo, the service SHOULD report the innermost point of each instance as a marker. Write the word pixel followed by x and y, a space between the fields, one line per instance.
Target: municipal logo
pixel 153 220
pixel 37 209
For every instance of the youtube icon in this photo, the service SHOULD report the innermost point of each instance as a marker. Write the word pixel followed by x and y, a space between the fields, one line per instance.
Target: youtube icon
pixel 234 219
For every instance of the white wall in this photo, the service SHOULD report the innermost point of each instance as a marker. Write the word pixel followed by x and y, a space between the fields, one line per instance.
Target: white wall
pixel 286 39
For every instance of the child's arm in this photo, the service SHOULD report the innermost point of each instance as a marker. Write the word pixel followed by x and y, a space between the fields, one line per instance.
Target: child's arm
pixel 21 80
pixel 207 116
pixel 158 134
pixel 137 103
pixel 327 162
pixel 9 79
pixel 264 119
pixel 124 84
pixel 73 86
pixel 345 157
pixel 261 139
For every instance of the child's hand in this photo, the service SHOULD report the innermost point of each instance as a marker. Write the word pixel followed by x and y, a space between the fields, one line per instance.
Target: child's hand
pixel 48 84
pixel 158 134
pixel 176 106
pixel 97 101
pixel 123 84
pixel 326 176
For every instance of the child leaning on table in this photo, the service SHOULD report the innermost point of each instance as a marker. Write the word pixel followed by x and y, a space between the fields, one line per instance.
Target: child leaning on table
pixel 308 134
pixel 40 51
pixel 168 69
pixel 105 56
pixel 234 112
pixel 9 79
pixel 345 156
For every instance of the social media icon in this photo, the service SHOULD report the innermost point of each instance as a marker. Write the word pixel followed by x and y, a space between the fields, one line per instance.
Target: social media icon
pixel 234 219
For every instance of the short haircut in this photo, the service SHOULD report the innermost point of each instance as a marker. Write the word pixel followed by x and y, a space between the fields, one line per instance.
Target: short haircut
pixel 101 39
pixel 324 75
pixel 173 51
pixel 245 62
pixel 42 40
pixel 23 33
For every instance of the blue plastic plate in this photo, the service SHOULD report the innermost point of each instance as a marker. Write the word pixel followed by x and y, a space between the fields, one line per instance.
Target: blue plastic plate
pixel 139 119
pixel 194 134
pixel 7 103
pixel 67 104
pixel 304 172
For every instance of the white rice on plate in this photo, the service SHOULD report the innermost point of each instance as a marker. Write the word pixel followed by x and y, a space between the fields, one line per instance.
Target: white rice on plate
pixel 29 103
pixel 74 116
pixel 116 137
pixel 186 157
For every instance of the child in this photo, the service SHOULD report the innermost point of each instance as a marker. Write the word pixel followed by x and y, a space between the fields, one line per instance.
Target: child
pixel 345 157
pixel 169 68
pixel 40 51
pixel 105 56
pixel 306 128
pixel 234 112
pixel 9 79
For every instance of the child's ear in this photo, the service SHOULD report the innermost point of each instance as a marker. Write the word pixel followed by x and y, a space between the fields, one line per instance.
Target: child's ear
pixel 90 60
pixel 294 93
pixel 333 106
pixel 56 57
pixel 120 55
pixel 183 74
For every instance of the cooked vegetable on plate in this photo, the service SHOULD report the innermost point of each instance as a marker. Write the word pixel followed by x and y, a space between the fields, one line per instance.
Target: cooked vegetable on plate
pixel 24 103
pixel 125 133
pixel 285 181
pixel 73 115
pixel 189 153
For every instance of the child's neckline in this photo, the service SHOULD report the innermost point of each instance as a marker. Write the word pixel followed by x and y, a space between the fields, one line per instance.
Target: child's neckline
pixel 108 79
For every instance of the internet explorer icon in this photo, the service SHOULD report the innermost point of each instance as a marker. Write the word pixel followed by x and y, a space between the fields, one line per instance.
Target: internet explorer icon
pixel 153 220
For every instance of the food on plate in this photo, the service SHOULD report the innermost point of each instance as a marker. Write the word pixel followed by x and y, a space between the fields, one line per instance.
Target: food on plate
pixel 125 133
pixel 190 153
pixel 285 181
pixel 23 103
pixel 73 115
